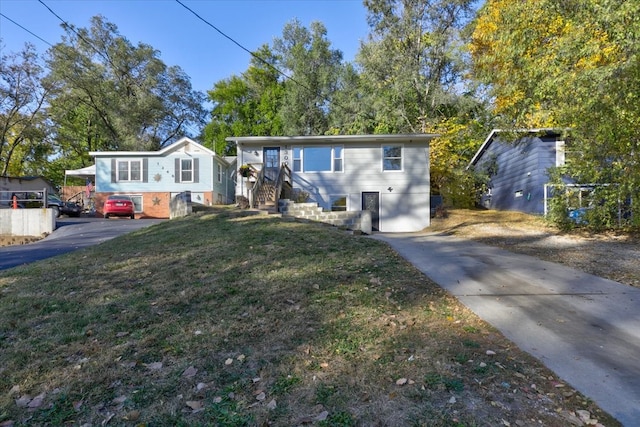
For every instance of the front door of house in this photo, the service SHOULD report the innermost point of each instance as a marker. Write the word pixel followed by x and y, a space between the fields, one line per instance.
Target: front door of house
pixel 271 158
pixel 371 203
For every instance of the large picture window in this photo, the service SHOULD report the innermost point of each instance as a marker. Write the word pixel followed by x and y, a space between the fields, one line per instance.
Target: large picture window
pixel 392 158
pixel 318 159
pixel 129 170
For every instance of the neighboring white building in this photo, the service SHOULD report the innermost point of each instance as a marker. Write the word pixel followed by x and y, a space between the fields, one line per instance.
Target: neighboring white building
pixel 385 174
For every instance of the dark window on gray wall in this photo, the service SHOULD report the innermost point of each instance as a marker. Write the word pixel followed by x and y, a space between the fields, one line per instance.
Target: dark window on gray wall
pixel 338 203
pixel 392 157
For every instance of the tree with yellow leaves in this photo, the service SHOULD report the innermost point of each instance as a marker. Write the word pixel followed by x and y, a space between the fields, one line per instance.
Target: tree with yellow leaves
pixel 576 64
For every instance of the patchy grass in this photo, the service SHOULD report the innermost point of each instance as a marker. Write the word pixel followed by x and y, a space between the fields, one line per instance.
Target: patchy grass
pixel 230 319
pixel 612 255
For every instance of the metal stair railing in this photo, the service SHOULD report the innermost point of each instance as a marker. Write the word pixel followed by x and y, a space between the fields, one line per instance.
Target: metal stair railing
pixel 284 175
pixel 253 194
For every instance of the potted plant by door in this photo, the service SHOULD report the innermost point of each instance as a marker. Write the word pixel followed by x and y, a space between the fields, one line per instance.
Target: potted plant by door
pixel 245 171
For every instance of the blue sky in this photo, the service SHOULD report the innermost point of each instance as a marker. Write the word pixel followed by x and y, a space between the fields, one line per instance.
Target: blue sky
pixel 182 39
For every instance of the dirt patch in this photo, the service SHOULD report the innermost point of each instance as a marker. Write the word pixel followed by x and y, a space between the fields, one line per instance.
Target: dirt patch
pixel 609 255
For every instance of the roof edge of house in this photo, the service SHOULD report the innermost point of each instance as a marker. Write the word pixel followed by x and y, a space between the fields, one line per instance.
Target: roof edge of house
pixel 331 138
pixel 494 132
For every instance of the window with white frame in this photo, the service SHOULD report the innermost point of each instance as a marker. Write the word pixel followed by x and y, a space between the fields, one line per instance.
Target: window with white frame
pixel 297 159
pixel 318 159
pixel 337 158
pixel 339 203
pixel 186 170
pixel 129 170
pixel 219 172
pixel 392 157
pixel 137 202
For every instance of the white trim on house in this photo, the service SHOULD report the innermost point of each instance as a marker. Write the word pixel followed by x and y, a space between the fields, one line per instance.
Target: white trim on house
pixel 185 145
pixel 403 194
pixel 331 139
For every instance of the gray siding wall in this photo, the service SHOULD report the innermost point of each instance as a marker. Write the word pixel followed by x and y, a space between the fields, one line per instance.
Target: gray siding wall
pixel 522 173
pixel 404 195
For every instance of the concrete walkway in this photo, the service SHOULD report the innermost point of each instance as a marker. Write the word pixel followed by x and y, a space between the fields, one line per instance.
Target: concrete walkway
pixel 584 328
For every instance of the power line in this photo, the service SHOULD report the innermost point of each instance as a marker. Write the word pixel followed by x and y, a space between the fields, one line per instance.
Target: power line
pixel 282 73
pixel 68 26
pixel 33 34
pixel 273 67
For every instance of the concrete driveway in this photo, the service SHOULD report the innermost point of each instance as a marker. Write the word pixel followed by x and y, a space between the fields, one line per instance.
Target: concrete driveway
pixel 584 328
pixel 71 234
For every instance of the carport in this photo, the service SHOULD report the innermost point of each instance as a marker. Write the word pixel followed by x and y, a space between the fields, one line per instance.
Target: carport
pixel 79 193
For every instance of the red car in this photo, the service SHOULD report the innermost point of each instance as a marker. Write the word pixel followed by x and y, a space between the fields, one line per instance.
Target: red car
pixel 118 205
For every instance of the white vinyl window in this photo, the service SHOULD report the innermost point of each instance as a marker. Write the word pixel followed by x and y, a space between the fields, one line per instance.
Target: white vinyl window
pixel 129 170
pixel 186 170
pixel 219 173
pixel 337 159
pixel 392 158
pixel 297 159
pixel 318 159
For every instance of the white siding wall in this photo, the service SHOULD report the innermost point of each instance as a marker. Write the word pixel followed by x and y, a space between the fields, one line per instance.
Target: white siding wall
pixel 404 195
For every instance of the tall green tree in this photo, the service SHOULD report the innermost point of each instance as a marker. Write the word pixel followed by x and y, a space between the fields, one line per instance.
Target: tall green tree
pixel 246 105
pixel 413 80
pixel 24 142
pixel 350 114
pixel 313 68
pixel 114 95
pixel 413 61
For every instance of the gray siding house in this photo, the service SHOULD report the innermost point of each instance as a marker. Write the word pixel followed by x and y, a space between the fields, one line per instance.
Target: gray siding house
pixel 387 175
pixel 517 163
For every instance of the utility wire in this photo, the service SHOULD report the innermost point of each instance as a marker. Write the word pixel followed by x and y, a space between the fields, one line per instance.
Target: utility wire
pixel 273 67
pixel 68 26
pixel 282 73
pixel 104 55
pixel 33 34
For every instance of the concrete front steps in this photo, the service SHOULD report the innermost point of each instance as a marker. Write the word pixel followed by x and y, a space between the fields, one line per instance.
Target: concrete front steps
pixel 352 220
